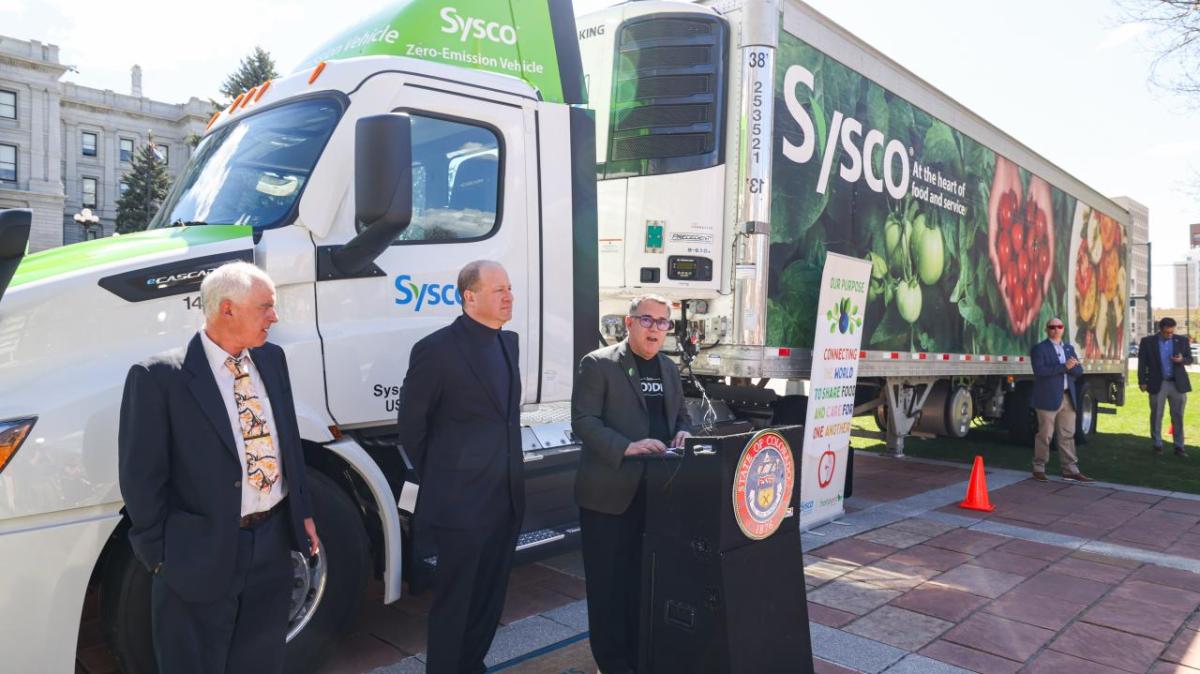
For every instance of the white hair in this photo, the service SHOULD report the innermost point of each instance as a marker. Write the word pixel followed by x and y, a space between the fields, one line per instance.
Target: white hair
pixel 648 297
pixel 231 281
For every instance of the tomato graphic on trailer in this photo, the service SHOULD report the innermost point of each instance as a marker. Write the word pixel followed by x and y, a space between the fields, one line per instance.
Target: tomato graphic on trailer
pixel 825 468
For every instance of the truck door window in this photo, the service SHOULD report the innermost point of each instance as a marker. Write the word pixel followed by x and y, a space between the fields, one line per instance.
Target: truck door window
pixel 456 181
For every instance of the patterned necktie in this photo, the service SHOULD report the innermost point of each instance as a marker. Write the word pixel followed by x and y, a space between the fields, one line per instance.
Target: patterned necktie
pixel 262 466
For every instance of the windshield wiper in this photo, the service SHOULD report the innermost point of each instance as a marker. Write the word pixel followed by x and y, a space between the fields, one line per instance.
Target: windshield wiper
pixel 187 223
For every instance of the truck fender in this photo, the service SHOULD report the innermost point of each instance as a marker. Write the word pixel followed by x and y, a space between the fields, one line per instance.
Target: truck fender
pixel 389 517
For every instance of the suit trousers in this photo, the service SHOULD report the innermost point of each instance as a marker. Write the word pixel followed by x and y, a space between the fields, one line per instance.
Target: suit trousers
pixel 1176 399
pixel 244 631
pixel 469 586
pixel 1062 423
pixel 612 564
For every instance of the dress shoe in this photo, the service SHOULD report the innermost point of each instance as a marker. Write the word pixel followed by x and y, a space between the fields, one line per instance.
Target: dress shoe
pixel 1040 477
pixel 1180 453
pixel 1077 477
pixel 1158 450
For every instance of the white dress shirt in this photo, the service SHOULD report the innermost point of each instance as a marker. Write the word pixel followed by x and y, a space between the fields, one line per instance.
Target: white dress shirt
pixel 1062 358
pixel 252 499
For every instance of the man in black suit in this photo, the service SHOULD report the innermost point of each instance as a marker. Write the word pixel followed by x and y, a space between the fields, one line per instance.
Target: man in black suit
pixel 627 402
pixel 212 472
pixel 459 421
pixel 1161 373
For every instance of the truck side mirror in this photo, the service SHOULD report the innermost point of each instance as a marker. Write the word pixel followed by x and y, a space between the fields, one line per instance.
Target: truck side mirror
pixel 382 188
pixel 14 236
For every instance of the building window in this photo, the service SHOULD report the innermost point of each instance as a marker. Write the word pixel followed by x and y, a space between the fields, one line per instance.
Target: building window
pixel 8 105
pixel 8 163
pixel 163 152
pixel 89 144
pixel 126 149
pixel 89 192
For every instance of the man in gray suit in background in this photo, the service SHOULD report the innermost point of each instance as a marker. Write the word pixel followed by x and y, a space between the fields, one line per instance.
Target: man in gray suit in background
pixel 627 402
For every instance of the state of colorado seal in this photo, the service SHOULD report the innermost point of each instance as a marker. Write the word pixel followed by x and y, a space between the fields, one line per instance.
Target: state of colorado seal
pixel 762 485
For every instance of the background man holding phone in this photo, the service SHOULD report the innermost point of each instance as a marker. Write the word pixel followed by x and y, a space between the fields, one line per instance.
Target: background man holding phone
pixel 1161 373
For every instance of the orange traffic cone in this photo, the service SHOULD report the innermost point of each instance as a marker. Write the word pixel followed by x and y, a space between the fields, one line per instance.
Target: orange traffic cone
pixel 977 491
pixel 1171 430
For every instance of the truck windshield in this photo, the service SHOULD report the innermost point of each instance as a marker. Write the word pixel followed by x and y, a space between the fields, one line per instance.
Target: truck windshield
pixel 252 172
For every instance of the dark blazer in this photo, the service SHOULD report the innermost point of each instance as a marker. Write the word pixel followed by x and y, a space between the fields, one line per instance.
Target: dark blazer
pixel 1150 372
pixel 1048 373
pixel 180 472
pixel 464 443
pixel 607 413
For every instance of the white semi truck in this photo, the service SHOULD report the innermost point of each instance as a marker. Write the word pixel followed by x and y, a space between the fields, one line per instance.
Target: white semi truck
pixel 444 131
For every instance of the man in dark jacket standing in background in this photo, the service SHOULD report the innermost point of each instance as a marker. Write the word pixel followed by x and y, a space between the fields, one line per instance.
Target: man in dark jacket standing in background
pixel 1161 373
pixel 627 402
pixel 1056 400
pixel 459 422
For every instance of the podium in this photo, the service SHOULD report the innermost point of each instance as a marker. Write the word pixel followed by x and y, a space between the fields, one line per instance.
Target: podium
pixel 722 569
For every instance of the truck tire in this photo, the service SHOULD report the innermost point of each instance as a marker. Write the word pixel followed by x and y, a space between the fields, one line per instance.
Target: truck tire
pixel 125 609
pixel 345 555
pixel 1085 416
pixel 1019 417
pixel 125 589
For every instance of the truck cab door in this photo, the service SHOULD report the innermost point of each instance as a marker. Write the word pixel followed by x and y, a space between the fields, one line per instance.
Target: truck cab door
pixel 470 201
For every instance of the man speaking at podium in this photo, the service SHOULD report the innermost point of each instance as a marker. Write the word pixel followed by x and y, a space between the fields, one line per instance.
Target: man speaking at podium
pixel 627 402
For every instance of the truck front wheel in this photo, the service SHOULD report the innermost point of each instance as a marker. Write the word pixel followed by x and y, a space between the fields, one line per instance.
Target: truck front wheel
pixel 326 591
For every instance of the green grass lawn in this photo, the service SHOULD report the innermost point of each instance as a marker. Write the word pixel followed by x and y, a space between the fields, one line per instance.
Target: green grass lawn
pixel 1119 452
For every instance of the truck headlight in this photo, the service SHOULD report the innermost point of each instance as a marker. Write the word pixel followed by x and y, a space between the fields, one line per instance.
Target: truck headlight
pixel 12 433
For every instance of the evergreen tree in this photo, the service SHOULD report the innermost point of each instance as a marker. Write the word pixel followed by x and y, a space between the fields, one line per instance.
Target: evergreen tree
pixel 147 182
pixel 255 69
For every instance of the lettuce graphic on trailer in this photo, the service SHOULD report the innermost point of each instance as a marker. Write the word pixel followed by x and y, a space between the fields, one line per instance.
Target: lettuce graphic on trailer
pixel 843 317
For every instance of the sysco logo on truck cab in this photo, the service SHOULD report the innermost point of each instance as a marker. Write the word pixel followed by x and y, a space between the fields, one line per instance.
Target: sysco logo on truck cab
pixel 480 29
pixel 859 149
pixel 425 294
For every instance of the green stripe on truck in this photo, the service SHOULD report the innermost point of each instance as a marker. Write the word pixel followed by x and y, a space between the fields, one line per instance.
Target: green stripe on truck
pixel 79 256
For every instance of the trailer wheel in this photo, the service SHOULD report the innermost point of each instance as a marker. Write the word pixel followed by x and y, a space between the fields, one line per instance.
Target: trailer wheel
pixel 1085 416
pixel 1019 417
pixel 326 592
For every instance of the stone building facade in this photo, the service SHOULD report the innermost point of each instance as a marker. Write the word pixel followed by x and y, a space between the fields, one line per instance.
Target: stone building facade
pixel 64 147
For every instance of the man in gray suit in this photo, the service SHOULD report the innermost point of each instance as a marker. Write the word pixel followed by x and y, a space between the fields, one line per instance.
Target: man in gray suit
pixel 627 402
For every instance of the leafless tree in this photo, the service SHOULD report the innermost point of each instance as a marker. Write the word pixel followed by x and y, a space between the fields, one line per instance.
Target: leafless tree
pixel 1175 28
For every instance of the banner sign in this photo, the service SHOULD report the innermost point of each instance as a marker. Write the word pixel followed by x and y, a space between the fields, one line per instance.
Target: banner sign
pixel 836 342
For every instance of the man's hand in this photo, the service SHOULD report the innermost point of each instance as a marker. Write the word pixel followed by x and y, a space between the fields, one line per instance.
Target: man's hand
pixel 1177 358
pixel 1143 387
pixel 646 446
pixel 679 438
pixel 314 543
pixel 1071 363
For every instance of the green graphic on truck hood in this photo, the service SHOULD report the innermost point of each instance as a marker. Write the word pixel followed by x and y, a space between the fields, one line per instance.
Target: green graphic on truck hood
pixel 512 37
pixel 67 259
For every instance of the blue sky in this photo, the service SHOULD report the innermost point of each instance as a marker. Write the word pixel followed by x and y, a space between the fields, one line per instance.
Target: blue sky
pixel 1068 78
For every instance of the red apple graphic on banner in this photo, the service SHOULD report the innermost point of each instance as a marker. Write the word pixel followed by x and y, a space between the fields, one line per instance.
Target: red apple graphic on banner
pixel 825 469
